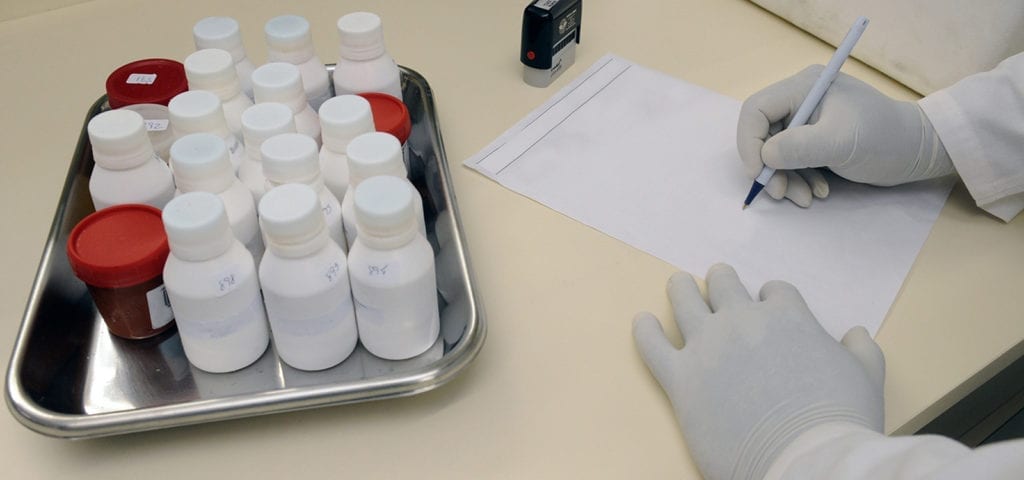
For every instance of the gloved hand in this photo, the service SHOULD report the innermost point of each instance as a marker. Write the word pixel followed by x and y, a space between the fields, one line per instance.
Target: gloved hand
pixel 753 375
pixel 856 131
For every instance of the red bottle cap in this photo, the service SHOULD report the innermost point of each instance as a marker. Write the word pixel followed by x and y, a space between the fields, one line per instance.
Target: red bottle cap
pixel 119 246
pixel 153 80
pixel 389 115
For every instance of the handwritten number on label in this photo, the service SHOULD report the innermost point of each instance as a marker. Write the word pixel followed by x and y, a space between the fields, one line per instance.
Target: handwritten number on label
pixel 375 270
pixel 226 282
pixel 332 272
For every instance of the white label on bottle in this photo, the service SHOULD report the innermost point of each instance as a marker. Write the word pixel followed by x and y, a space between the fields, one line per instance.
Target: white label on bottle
pixel 226 282
pixel 160 312
pixel 141 79
pixel 222 327
pixel 545 4
pixel 156 125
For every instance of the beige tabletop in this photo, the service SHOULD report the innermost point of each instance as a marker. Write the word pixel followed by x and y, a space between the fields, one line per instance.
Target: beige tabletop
pixel 558 389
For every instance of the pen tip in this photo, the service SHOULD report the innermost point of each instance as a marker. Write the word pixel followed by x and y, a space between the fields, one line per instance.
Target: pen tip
pixel 745 206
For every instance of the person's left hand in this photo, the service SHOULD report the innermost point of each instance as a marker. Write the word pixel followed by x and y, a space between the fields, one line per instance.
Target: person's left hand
pixel 754 374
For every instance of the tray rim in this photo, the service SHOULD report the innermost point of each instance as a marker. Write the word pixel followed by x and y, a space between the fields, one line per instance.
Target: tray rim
pixel 78 426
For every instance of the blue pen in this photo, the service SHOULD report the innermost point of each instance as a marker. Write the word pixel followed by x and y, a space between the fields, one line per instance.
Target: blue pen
pixel 813 98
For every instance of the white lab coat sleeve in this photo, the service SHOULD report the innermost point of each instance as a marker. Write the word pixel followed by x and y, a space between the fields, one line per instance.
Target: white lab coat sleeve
pixel 847 451
pixel 980 121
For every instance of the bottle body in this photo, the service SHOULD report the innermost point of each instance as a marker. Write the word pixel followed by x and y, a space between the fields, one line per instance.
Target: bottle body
pixel 245 67
pixel 396 298
pixel 219 310
pixel 250 173
pixel 150 183
pixel 233 108
pixel 334 168
pixel 379 74
pixel 315 82
pixel 332 215
pixel 308 123
pixel 310 307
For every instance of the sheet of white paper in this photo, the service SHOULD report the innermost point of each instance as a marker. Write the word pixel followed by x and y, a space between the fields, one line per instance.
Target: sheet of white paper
pixel 651 160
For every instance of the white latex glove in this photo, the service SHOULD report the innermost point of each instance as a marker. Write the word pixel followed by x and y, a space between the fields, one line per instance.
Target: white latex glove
pixel 753 375
pixel 856 131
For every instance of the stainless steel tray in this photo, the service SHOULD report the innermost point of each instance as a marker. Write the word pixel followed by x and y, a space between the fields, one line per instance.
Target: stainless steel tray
pixel 68 377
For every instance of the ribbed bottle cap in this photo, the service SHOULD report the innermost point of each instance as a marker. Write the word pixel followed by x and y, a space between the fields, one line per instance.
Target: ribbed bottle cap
pixel 344 118
pixel 212 69
pixel 197 226
pixel 200 162
pixel 290 158
pixel 384 207
pixel 362 36
pixel 374 153
pixel 119 140
pixel 279 82
pixel 287 33
pixel 219 32
pixel 290 214
pixel 197 111
pixel 264 120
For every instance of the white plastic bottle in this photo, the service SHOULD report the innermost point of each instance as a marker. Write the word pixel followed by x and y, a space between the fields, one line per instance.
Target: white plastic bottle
pixel 223 33
pixel 304 275
pixel 212 284
pixel 364 65
pixel 372 154
pixel 200 164
pixel 199 111
pixel 127 169
pixel 281 82
pixel 211 69
pixel 292 158
pixel 391 267
pixel 342 118
pixel 289 41
pixel 260 122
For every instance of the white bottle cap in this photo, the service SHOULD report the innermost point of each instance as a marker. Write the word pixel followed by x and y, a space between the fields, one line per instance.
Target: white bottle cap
pixel 385 212
pixel 288 39
pixel 200 162
pixel 262 121
pixel 290 158
pixel 344 118
pixel 119 140
pixel 374 153
pixel 362 36
pixel 290 216
pixel 219 32
pixel 212 69
pixel 197 226
pixel 279 82
pixel 197 111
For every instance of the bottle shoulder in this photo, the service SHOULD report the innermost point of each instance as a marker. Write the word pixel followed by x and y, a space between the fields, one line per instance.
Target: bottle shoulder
pixel 231 271
pixel 411 260
pixel 321 271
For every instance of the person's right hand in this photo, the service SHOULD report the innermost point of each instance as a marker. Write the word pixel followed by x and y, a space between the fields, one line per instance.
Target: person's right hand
pixel 856 131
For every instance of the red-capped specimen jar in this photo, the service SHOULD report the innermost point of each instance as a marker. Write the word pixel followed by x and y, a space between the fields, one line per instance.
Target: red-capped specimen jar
pixel 119 252
pixel 390 115
pixel 153 80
